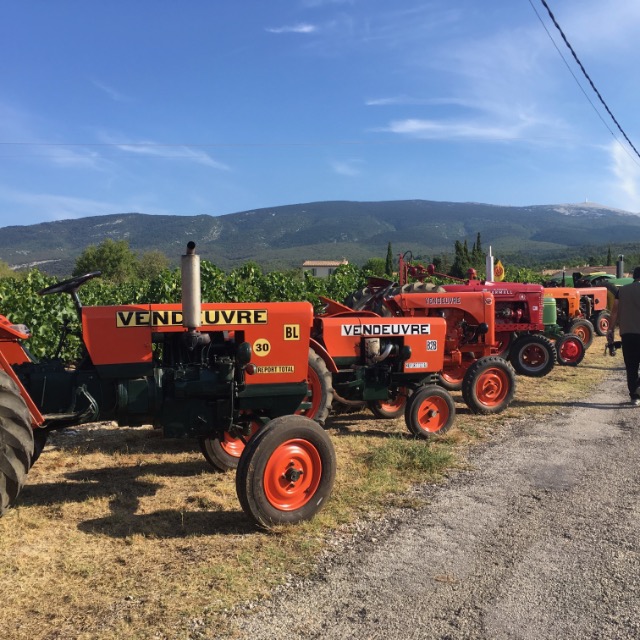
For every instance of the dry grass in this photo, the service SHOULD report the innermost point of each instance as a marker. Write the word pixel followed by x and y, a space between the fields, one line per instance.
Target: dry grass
pixel 121 534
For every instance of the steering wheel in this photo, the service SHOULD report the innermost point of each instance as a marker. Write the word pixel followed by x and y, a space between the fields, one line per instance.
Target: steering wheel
pixel 69 286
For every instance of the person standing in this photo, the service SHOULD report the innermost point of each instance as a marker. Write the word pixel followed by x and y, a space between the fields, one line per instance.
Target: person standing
pixel 626 314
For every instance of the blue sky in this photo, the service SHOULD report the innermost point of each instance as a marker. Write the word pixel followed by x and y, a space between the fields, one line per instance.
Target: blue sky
pixel 221 106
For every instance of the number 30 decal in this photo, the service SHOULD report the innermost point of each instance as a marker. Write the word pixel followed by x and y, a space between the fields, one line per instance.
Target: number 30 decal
pixel 261 347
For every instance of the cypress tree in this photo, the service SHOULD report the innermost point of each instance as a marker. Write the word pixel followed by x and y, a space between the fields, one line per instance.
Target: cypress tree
pixel 388 269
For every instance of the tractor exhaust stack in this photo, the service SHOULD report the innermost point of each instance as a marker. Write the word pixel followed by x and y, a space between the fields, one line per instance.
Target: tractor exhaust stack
pixel 191 297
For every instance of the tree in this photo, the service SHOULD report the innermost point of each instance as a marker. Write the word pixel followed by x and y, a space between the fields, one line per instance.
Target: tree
pixel 150 264
pixel 113 258
pixel 461 261
pixel 609 257
pixel 375 267
pixel 6 271
pixel 388 269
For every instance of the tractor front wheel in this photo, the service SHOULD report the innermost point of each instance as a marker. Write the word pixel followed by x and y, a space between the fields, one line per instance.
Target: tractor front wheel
pixel 489 385
pixel 392 408
pixel 570 350
pixel 451 378
pixel 533 355
pixel 286 471
pixel 16 442
pixel 584 330
pixel 602 322
pixel 430 411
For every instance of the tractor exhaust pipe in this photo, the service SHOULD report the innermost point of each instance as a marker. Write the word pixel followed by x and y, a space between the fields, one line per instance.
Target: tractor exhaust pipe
pixel 191 298
pixel 191 301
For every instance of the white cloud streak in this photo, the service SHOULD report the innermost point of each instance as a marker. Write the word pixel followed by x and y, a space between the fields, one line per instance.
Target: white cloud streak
pixel 626 172
pixel 60 207
pixel 298 28
pixel 115 95
pixel 170 152
pixel 348 168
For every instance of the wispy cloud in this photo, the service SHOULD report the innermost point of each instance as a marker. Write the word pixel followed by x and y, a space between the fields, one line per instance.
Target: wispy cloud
pixel 626 173
pixel 171 152
pixel 296 28
pixel 59 207
pixel 348 168
pixel 115 95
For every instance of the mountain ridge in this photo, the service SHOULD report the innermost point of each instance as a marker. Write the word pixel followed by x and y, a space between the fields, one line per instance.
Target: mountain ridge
pixel 283 237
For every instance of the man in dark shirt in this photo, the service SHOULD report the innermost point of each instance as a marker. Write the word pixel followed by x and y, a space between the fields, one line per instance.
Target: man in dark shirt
pixel 626 313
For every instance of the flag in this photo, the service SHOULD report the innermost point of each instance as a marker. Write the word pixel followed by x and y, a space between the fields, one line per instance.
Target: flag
pixel 498 272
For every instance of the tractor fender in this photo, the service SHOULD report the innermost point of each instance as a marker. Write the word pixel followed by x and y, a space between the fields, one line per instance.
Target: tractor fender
pixel 324 354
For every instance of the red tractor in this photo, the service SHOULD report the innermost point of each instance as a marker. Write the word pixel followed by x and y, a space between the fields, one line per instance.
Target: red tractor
pixel 217 372
pixel 527 329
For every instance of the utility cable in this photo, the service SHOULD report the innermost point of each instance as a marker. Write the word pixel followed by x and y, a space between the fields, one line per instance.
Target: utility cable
pixel 586 75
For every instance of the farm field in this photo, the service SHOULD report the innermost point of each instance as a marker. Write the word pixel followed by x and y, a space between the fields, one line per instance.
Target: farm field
pixel 122 534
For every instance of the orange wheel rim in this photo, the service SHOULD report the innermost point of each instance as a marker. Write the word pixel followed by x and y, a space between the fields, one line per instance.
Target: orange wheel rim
pixel 235 446
pixel 395 404
pixel 432 414
pixel 292 475
pixel 569 350
pixel 582 333
pixel 492 387
pixel 314 394
pixel 454 375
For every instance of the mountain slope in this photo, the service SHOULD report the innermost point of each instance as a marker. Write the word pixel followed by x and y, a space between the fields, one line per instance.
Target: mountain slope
pixel 283 237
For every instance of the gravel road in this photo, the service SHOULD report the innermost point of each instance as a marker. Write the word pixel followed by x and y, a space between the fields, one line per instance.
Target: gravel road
pixel 538 539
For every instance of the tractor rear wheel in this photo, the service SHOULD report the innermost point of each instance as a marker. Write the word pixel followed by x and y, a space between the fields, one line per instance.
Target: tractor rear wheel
pixel 358 300
pixel 417 287
pixel 286 471
pixel 570 350
pixel 392 408
pixel 16 442
pixel 533 355
pixel 320 394
pixel 602 322
pixel 430 411
pixel 584 330
pixel 489 385
pixel 223 453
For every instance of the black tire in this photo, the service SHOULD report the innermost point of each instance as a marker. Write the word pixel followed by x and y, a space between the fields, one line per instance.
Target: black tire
pixel 601 322
pixel 417 287
pixel 286 472
pixel 223 452
pixel 358 300
pixel 39 441
pixel 320 390
pixel 489 385
pixel 570 350
pixel 391 408
pixel 16 442
pixel 533 355
pixel 584 330
pixel 430 411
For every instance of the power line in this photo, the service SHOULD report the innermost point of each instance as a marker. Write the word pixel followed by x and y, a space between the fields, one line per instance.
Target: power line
pixel 586 75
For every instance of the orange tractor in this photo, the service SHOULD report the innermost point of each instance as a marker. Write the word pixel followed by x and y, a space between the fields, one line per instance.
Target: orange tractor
pixel 217 372
pixel 470 361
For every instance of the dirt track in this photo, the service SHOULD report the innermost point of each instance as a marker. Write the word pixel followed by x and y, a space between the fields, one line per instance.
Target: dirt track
pixel 538 540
